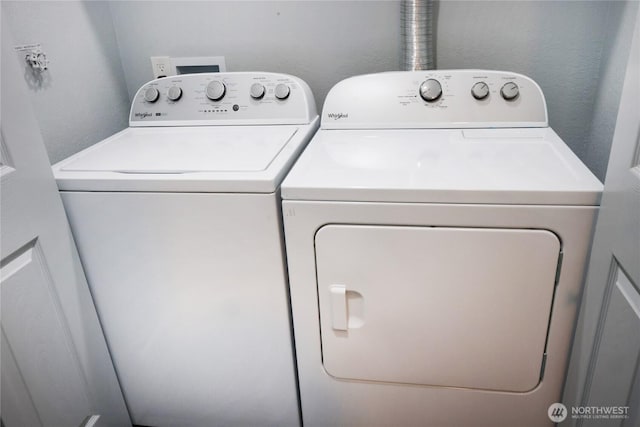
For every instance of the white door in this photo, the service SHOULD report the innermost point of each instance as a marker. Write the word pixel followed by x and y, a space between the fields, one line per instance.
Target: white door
pixel 383 313
pixel 56 369
pixel 605 362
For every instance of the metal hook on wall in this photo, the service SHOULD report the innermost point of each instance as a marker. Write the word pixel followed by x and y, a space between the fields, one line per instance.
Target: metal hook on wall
pixel 37 60
pixel 36 63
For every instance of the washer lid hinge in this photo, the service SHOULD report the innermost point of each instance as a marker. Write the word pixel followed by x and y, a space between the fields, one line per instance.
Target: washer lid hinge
pixel 560 256
pixel 544 364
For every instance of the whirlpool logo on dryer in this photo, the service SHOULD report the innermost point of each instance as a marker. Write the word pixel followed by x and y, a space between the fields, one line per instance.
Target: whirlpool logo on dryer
pixel 338 116
pixel 142 115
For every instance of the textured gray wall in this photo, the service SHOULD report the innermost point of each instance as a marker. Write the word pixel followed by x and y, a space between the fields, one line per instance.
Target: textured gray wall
pixel 615 54
pixel 82 98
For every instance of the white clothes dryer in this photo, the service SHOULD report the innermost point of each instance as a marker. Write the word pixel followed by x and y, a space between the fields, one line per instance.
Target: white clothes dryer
pixel 437 231
pixel 178 224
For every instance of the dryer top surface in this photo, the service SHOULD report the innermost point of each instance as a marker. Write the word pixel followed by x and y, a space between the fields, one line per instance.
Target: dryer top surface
pixel 479 166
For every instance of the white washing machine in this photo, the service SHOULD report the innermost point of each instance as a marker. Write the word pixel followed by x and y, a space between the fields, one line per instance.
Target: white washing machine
pixel 178 224
pixel 437 231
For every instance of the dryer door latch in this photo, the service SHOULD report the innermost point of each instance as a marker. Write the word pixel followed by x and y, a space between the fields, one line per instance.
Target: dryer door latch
pixel 339 317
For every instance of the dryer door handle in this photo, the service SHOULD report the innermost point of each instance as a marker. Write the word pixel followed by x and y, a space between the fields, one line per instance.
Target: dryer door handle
pixel 339 314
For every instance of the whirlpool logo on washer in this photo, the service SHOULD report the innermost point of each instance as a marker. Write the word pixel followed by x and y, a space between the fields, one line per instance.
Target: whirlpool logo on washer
pixel 142 115
pixel 338 116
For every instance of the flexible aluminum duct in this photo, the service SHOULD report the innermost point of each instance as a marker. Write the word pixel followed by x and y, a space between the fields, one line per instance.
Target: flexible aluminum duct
pixel 416 18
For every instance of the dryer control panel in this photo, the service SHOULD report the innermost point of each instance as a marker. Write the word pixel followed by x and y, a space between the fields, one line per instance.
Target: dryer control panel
pixel 435 99
pixel 223 99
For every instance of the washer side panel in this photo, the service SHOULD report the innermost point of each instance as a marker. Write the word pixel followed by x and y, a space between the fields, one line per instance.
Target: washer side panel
pixel 192 296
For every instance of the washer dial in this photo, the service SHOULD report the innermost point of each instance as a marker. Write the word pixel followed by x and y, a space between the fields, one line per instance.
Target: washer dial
pixel 430 90
pixel 216 90
pixel 174 93
pixel 480 90
pixel 510 91
pixel 151 94
pixel 257 91
pixel 282 91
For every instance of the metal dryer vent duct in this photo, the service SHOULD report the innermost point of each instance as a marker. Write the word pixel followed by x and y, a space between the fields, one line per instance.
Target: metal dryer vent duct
pixel 416 18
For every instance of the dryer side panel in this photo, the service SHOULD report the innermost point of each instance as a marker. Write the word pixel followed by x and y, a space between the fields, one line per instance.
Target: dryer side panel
pixel 439 306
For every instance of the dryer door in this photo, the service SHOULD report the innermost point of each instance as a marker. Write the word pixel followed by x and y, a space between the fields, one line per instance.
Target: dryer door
pixel 458 307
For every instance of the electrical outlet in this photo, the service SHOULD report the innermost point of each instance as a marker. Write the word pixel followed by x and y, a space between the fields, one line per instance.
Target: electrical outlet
pixel 161 66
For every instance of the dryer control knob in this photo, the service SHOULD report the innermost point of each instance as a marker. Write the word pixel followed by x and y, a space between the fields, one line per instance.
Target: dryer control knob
pixel 257 91
pixel 430 90
pixel 174 93
pixel 480 90
pixel 510 91
pixel 282 91
pixel 216 90
pixel 151 94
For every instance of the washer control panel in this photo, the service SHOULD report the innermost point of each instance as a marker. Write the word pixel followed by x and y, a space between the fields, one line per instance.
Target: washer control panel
pixel 435 99
pixel 223 99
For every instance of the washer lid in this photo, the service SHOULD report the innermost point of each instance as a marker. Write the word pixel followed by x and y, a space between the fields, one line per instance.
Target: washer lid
pixel 202 159
pixel 185 150
pixel 497 166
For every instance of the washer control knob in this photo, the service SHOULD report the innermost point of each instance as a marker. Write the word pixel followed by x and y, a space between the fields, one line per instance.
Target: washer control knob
pixel 282 91
pixel 216 90
pixel 151 94
pixel 174 93
pixel 480 90
pixel 430 90
pixel 510 91
pixel 257 91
